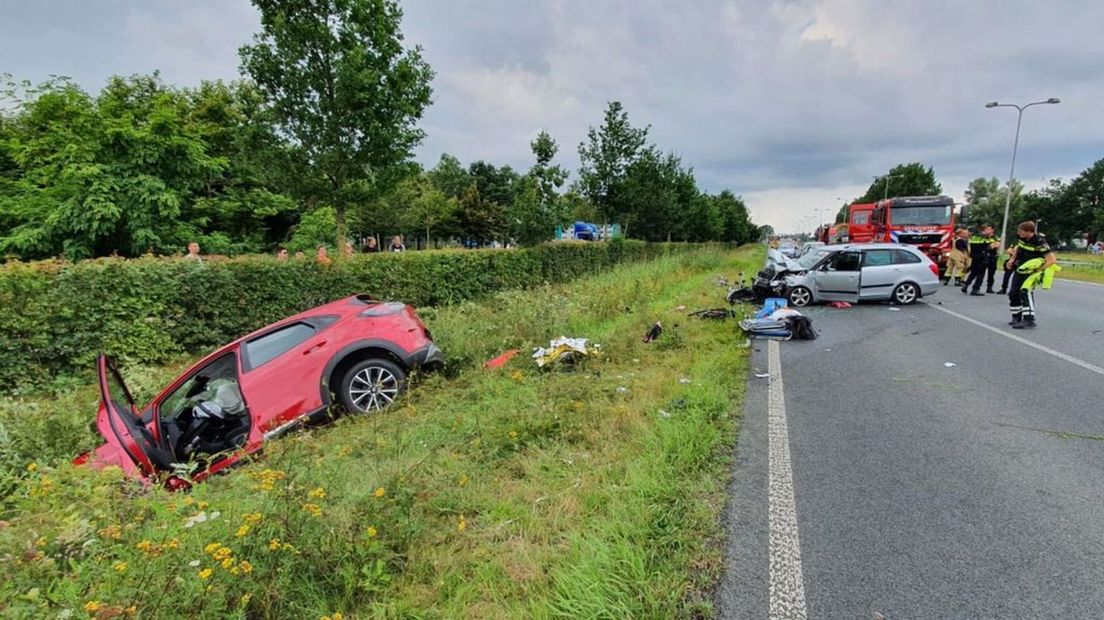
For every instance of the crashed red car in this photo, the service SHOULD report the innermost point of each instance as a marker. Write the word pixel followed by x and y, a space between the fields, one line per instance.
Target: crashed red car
pixel 356 352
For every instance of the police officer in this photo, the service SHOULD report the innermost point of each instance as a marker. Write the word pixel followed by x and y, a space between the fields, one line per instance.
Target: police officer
pixel 982 244
pixel 991 261
pixel 1021 299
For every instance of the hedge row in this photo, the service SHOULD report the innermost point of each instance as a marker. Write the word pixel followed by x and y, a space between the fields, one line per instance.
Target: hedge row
pixel 56 317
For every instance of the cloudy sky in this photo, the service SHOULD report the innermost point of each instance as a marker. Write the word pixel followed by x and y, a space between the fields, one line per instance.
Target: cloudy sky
pixel 791 103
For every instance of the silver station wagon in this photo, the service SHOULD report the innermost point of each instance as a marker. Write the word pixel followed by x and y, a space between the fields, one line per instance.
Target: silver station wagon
pixel 868 271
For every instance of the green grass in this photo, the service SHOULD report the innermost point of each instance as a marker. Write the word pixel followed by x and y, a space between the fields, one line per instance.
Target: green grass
pixel 1090 269
pixel 592 491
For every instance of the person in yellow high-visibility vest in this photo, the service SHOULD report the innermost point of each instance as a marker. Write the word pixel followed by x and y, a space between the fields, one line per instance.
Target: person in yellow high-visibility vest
pixel 1021 294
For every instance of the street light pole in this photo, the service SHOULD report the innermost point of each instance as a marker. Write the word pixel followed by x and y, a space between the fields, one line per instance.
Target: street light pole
pixel 887 177
pixel 1015 145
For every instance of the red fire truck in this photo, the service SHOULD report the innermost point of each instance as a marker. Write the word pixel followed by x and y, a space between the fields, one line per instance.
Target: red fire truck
pixel 927 222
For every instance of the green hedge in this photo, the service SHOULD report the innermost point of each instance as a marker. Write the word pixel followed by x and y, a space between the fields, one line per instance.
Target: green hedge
pixel 56 317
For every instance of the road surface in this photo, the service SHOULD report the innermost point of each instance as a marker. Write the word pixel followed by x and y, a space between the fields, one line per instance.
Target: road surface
pixel 875 480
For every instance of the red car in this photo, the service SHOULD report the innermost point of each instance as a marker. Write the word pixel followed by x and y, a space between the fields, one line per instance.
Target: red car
pixel 358 351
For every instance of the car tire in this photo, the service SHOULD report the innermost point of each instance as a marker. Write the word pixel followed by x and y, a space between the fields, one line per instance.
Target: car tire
pixel 799 297
pixel 905 294
pixel 372 385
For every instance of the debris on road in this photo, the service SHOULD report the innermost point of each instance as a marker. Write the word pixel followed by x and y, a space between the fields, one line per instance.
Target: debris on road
pixel 762 375
pixel 499 361
pixel 654 332
pixel 843 305
pixel 949 364
pixel 891 309
pixel 566 350
pixel 713 313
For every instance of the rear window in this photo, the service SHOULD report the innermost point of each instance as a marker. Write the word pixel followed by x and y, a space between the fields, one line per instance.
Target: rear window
pixel 270 346
pixel 904 257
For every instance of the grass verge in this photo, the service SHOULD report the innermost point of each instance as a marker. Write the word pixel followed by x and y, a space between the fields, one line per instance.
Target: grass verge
pixel 1081 266
pixel 592 491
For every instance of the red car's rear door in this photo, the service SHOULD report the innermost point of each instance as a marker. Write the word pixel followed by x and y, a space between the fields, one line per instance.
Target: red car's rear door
pixel 281 374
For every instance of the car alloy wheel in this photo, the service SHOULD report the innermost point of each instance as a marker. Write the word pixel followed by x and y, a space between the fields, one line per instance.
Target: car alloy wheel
pixel 800 296
pixel 905 293
pixel 372 385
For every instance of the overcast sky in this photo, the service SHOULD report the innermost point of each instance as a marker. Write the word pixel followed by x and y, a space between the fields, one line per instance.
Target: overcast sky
pixel 789 103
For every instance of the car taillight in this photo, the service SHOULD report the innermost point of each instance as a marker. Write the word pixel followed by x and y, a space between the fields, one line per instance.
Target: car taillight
pixel 82 459
pixel 934 268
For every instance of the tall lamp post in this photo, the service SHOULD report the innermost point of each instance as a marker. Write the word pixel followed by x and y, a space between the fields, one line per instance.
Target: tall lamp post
pixel 887 177
pixel 1012 172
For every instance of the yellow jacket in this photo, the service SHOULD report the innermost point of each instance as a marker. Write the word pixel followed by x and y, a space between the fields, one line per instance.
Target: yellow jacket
pixel 1038 274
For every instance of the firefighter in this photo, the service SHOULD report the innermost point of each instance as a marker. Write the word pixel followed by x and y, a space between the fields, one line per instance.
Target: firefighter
pixel 1021 295
pixel 991 261
pixel 959 259
pixel 982 245
pixel 1009 268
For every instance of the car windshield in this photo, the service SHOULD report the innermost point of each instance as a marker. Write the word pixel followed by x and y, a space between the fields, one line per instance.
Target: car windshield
pixel 812 257
pixel 921 216
pixel 118 393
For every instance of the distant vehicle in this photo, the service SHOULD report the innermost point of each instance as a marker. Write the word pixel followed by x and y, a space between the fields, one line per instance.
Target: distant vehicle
pixel 586 231
pixel 927 222
pixel 356 351
pixel 859 227
pixel 860 272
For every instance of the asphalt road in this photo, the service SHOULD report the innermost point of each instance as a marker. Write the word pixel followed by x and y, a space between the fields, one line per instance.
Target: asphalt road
pixel 923 491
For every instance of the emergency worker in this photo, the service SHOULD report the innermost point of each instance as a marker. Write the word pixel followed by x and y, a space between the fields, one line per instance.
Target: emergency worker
pixel 1035 264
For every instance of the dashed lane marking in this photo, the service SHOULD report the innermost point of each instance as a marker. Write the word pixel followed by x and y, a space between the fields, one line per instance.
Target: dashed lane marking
pixel 1062 356
pixel 787 588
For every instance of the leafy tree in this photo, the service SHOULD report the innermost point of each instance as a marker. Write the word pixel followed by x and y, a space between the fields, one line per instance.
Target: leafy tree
pixel 604 159
pixel 737 226
pixel 985 200
pixel 903 180
pixel 449 176
pixel 429 208
pixel 315 228
pixel 342 89
pixel 479 219
pixel 1082 207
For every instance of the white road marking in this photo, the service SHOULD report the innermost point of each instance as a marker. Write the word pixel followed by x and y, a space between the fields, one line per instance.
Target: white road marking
pixel 1062 356
pixel 1068 281
pixel 787 588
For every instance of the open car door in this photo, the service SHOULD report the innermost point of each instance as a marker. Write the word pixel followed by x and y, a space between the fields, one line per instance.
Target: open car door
pixel 122 427
pixel 838 277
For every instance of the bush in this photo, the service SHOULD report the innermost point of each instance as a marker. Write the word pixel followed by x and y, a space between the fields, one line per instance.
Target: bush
pixel 56 317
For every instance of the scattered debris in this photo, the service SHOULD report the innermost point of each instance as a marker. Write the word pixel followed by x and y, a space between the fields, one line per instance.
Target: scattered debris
pixel 762 375
pixel 622 389
pixel 949 364
pixel 714 313
pixel 654 332
pixel 839 304
pixel 769 306
pixel 684 380
pixel 565 349
pixel 892 309
pixel 663 414
pixel 680 308
pixel 741 295
pixel 501 359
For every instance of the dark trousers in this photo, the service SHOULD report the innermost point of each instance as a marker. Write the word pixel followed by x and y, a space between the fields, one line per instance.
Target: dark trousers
pixel 990 272
pixel 1021 302
pixel 977 274
pixel 1007 276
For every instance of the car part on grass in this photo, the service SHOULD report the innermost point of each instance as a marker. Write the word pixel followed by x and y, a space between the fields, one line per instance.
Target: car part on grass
pixel 498 362
pixel 714 313
pixel 654 332
pixel 564 349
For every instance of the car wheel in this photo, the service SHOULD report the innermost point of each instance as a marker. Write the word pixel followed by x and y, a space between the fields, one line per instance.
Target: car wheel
pixel 906 293
pixel 372 385
pixel 799 297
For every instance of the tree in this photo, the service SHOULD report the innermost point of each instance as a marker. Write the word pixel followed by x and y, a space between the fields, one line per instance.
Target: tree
pixel 736 222
pixel 605 157
pixel 549 177
pixel 429 208
pixel 342 89
pixel 449 176
pixel 985 200
pixel 1082 206
pixel 903 180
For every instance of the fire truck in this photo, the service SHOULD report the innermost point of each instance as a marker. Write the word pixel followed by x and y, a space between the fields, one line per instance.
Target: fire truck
pixel 927 222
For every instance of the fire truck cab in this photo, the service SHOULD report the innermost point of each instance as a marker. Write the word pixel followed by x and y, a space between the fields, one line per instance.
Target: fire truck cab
pixel 927 222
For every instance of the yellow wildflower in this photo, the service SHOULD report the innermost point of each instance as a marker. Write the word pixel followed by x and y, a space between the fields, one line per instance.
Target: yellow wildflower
pixel 93 606
pixel 513 434
pixel 517 376
pixel 253 518
pixel 131 611
pixel 274 544
pixel 246 567
pixel 317 493
pixel 45 485
pixel 462 524
pixel 111 531
pixel 222 554
pixel 41 542
pixel 120 567
pixel 248 596
pixel 371 531
pixel 145 545
pixel 227 563
pixel 205 573
pixel 242 531
pixel 173 544
pixel 463 481
pixel 234 570
pixel 313 509
pixel 212 548
pixel 202 505
pixel 379 492
pixel 188 501
pixel 32 467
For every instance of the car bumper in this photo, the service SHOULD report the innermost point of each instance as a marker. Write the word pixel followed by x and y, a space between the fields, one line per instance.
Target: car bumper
pixel 429 357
